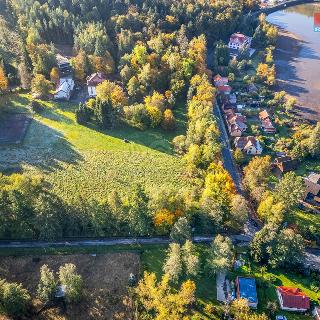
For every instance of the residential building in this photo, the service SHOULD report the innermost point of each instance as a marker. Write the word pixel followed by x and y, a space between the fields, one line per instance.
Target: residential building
pixel 93 81
pixel 220 81
pixel 239 41
pixel 246 289
pixel 225 89
pixel 266 123
pixel 285 163
pixel 249 145
pixel 312 193
pixel 236 123
pixel 65 89
pixel 293 299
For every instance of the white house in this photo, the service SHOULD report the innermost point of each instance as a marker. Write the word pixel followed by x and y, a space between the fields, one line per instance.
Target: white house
pixel 249 145
pixel 239 41
pixel 93 81
pixel 64 91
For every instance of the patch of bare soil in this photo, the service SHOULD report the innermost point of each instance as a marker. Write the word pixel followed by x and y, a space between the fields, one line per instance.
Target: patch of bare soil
pixel 105 279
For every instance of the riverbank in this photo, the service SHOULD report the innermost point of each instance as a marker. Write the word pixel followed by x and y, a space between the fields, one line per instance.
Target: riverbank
pixel 298 66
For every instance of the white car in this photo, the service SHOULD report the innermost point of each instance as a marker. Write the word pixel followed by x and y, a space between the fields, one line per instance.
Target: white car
pixel 281 318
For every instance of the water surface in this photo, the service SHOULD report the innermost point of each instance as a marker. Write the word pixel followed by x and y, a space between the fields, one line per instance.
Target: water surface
pixel 297 56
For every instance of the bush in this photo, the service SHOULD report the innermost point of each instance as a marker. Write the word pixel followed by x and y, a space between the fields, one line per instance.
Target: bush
pixel 137 116
pixel 14 299
pixel 83 114
pixel 36 107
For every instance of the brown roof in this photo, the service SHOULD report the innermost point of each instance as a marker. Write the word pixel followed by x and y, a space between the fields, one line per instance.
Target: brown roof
pixel 95 79
pixel 285 163
pixel 314 177
pixel 241 142
pixel 311 187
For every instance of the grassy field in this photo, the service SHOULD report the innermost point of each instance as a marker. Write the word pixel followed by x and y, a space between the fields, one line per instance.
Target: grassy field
pixel 79 160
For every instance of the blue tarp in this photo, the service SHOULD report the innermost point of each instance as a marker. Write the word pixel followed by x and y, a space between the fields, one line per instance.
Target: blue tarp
pixel 248 289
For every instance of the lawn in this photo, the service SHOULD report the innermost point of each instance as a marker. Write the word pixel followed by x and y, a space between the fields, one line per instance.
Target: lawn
pixel 267 288
pixel 82 160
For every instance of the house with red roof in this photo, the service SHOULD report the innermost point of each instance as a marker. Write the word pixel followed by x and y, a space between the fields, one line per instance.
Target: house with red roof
pixel 220 81
pixel 293 299
pixel 239 41
pixel 225 89
pixel 266 123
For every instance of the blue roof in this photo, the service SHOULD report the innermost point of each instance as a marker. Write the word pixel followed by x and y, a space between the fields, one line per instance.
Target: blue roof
pixel 248 289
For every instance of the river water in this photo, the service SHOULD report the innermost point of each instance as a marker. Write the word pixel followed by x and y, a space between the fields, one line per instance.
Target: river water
pixel 297 56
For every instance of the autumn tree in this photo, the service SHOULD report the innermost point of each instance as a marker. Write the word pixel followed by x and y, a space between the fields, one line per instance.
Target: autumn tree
pixel 81 65
pixel 220 254
pixel 313 141
pixel 256 174
pixel 168 122
pixel 54 75
pixel 72 281
pixel 14 299
pixel 3 80
pixel 159 298
pixel 110 90
pixel 40 86
pixel 173 264
pixel 290 190
pixel 181 231
pixel 47 285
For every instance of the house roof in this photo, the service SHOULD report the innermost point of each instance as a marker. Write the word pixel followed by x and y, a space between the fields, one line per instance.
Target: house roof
pixel 264 115
pixel 238 38
pixel 294 298
pixel 244 142
pixel 285 163
pixel 311 187
pixel 247 289
pixel 314 177
pixel 267 124
pixel 95 78
pixel 224 88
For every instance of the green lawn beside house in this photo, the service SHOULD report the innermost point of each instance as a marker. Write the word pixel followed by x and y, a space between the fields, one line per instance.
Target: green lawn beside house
pixel 83 160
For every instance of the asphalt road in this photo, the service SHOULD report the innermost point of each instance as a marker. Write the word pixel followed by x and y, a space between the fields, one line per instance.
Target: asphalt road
pixel 110 242
pixel 226 151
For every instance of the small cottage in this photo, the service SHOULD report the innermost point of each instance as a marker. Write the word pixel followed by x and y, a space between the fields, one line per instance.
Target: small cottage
pixel 65 89
pixel 293 299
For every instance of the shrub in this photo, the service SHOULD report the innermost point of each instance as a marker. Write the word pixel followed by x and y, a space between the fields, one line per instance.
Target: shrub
pixel 14 299
pixel 83 114
pixel 137 116
pixel 36 107
pixel 169 121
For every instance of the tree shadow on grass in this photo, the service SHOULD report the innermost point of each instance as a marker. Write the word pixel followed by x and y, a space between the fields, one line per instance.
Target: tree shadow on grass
pixel 154 138
pixel 44 148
